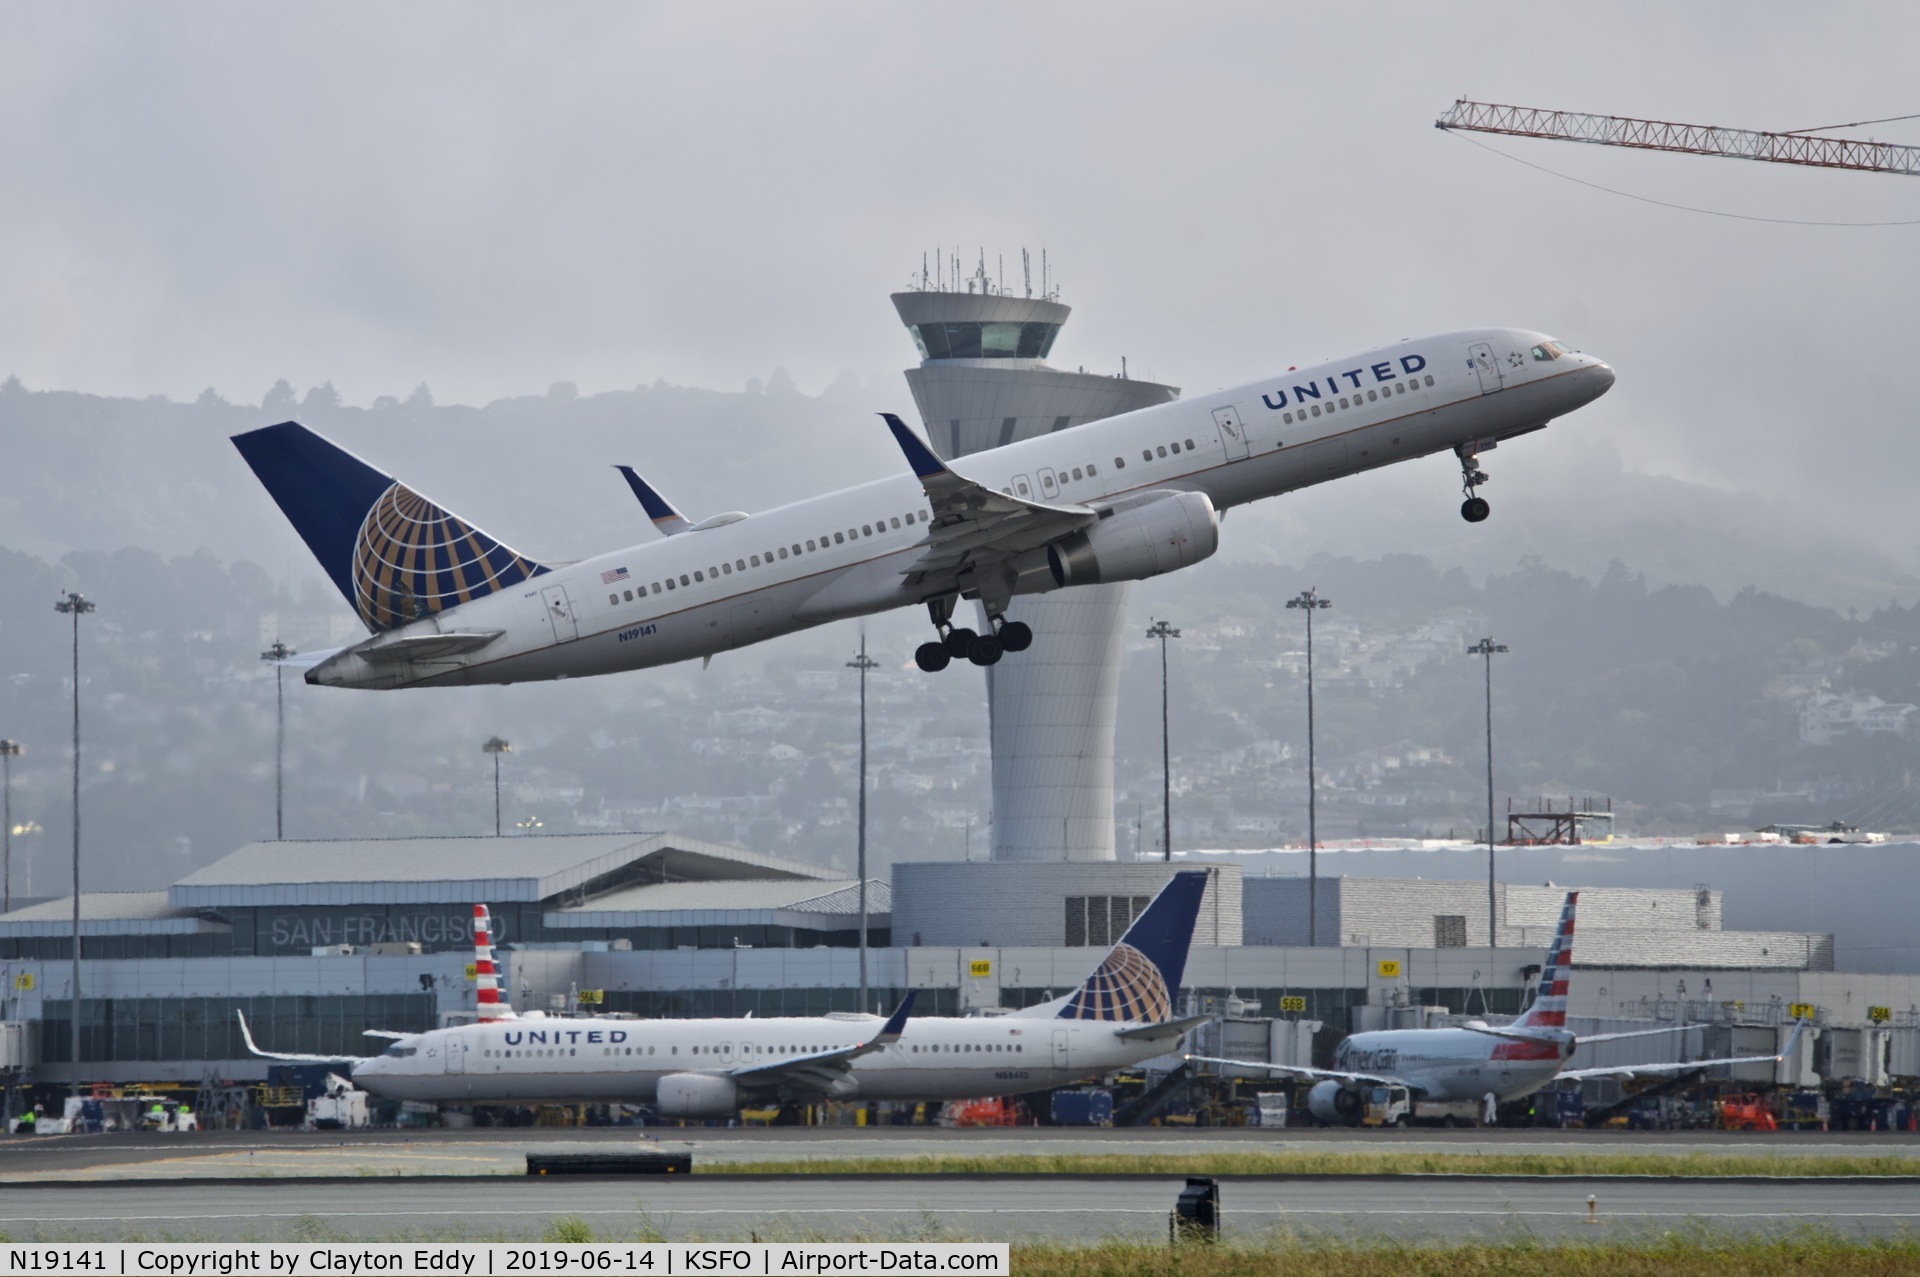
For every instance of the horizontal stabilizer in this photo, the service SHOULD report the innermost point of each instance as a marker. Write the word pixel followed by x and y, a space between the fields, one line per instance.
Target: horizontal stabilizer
pixel 1168 1029
pixel 424 647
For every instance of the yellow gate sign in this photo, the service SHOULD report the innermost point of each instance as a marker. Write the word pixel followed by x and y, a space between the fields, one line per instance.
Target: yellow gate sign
pixel 1879 1015
pixel 592 997
pixel 473 971
pixel 1800 1010
pixel 1293 1002
pixel 980 968
pixel 1389 968
pixel 24 982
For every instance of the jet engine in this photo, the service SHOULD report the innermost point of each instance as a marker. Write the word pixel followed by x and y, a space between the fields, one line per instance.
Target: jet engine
pixel 1156 533
pixel 1329 1101
pixel 697 1095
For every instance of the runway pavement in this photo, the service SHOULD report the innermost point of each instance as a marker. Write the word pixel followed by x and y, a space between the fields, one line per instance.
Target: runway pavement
pixel 1058 1207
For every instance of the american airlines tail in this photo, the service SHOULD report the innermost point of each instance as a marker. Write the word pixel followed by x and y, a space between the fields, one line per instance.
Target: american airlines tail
pixel 488 1001
pixel 1140 977
pixel 395 555
pixel 1549 1009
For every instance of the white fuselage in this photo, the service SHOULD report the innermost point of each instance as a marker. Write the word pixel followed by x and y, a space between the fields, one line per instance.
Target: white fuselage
pixel 622 1061
pixel 847 553
pixel 1454 1064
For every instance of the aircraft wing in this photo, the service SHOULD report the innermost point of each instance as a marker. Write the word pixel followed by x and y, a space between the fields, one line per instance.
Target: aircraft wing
pixel 1307 1074
pixel 247 1035
pixel 822 1071
pixel 975 526
pixel 1678 1066
pixel 665 517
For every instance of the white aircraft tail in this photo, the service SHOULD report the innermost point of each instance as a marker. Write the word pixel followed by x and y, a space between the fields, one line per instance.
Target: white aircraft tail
pixel 488 1000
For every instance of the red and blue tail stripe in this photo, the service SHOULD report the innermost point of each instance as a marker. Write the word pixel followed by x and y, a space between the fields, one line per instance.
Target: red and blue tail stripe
pixel 1549 1009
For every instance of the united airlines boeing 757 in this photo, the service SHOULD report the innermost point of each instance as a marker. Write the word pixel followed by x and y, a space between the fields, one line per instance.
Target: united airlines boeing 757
pixel 1125 498
pixel 1477 1060
pixel 1121 1014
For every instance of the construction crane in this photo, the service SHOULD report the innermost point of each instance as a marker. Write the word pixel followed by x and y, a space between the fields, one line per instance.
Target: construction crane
pixel 1794 147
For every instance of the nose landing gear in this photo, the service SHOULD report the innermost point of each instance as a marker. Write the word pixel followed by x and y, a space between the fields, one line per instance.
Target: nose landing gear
pixel 1475 508
pixel 956 642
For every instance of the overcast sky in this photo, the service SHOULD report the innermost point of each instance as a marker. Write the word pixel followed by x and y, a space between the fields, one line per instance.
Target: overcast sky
pixel 492 197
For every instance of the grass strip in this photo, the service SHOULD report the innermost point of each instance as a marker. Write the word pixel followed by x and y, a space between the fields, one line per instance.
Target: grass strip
pixel 1807 1255
pixel 1310 1162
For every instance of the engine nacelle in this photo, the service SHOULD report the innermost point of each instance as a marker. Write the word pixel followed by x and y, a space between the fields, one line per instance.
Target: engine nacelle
pixel 697 1095
pixel 1330 1102
pixel 1156 533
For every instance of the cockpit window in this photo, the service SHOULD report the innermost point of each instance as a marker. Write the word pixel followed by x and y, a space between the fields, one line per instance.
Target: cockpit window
pixel 397 1049
pixel 1546 350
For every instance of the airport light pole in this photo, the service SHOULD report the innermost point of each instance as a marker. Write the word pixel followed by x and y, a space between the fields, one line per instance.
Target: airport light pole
pixel 863 663
pixel 1486 648
pixel 75 606
pixel 496 746
pixel 1162 631
pixel 9 750
pixel 1311 602
pixel 278 654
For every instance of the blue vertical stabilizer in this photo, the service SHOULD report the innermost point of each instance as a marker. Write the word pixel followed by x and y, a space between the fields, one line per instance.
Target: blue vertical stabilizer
pixel 1141 975
pixel 395 555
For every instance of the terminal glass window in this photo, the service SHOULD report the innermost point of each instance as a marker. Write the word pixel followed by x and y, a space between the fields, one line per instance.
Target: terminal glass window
pixel 973 340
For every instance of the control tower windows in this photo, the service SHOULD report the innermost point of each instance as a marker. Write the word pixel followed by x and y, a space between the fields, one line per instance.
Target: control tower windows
pixel 974 340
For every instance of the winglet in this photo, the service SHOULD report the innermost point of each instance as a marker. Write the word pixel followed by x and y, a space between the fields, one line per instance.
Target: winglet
pixel 246 1034
pixel 658 508
pixel 896 1023
pixel 925 464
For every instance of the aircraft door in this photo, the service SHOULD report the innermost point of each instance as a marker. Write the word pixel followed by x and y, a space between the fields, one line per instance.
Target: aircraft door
pixel 1060 1060
pixel 560 613
pixel 1048 488
pixel 1485 366
pixel 1233 435
pixel 456 1057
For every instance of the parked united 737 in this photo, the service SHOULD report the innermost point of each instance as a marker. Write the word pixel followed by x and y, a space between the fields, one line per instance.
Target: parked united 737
pixel 1125 498
pixel 1476 1060
pixel 1121 1014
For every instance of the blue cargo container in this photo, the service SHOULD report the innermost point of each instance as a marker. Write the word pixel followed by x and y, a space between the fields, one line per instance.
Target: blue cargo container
pixel 1092 1107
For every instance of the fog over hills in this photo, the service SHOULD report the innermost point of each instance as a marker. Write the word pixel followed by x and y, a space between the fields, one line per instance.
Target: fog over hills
pixel 99 473
pixel 1675 647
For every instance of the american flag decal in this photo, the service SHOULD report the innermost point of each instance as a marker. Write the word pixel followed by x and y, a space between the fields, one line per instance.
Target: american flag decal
pixel 608 578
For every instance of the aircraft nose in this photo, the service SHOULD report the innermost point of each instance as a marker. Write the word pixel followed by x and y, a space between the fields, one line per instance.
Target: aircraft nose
pixel 1600 377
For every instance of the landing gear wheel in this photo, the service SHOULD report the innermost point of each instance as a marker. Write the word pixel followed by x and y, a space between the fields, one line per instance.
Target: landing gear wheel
pixel 1016 636
pixel 983 650
pixel 959 642
pixel 1475 509
pixel 932 657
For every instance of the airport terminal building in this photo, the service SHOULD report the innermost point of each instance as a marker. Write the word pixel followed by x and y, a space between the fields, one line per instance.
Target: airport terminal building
pixel 319 941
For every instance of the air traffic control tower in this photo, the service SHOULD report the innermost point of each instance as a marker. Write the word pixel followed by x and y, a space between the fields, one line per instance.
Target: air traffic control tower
pixel 983 382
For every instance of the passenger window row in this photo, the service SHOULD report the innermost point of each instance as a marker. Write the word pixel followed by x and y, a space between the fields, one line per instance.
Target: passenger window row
pixel 1061 477
pixel 1147 454
pixel 1353 401
pixel 684 580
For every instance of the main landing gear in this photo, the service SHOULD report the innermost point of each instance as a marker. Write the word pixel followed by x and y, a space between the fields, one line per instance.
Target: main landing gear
pixel 1475 508
pixel 957 642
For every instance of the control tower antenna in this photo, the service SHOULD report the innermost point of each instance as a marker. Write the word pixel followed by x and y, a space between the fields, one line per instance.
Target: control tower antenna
pixel 1026 272
pixel 1000 269
pixel 1044 294
pixel 923 272
pixel 939 270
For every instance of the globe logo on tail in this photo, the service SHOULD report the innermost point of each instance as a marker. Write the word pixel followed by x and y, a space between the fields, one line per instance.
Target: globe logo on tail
pixel 1127 986
pixel 413 558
